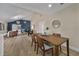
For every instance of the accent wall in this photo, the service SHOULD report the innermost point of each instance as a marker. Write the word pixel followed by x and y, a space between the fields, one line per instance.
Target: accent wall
pixel 25 25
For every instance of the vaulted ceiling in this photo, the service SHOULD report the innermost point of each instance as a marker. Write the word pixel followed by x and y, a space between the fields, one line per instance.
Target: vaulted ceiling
pixel 43 7
pixel 9 10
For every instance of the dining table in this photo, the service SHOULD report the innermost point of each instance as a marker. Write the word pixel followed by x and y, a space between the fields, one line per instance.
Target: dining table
pixel 57 42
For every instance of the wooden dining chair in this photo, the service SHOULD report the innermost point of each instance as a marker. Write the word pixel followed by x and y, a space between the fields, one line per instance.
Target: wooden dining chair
pixel 34 41
pixel 41 45
pixel 57 35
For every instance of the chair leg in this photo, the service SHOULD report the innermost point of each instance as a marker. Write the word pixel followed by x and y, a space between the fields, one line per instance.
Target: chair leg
pixel 35 47
pixel 52 51
pixel 60 49
pixel 32 43
pixel 43 53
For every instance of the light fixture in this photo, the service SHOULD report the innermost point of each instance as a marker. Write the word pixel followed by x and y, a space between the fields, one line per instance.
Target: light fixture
pixel 18 22
pixel 49 5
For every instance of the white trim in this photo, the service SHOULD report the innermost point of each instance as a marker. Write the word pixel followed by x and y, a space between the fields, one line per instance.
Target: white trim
pixel 73 48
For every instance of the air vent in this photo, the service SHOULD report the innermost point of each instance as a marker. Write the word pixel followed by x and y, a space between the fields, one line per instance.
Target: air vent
pixel 61 3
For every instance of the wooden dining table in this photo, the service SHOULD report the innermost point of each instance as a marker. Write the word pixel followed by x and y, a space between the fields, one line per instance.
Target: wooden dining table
pixel 57 42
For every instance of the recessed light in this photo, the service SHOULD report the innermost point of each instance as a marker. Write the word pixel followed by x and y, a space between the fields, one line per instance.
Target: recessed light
pixel 49 5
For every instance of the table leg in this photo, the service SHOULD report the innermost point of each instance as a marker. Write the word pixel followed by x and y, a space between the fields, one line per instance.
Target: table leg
pixel 56 50
pixel 67 47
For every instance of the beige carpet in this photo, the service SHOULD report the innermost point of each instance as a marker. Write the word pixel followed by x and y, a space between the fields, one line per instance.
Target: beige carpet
pixel 21 46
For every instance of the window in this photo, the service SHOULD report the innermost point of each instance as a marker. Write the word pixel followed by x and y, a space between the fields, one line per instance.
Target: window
pixel 1 26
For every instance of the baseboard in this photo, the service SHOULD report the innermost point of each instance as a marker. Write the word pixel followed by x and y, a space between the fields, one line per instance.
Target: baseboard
pixel 73 48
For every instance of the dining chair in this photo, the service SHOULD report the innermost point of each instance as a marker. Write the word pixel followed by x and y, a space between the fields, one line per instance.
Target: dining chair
pixel 13 33
pixel 44 47
pixel 34 41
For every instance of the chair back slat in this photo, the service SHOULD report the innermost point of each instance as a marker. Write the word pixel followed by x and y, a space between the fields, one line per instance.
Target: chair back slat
pixel 40 42
pixel 57 34
pixel 34 37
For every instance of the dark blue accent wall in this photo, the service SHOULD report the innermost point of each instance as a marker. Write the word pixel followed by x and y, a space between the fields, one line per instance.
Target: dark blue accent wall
pixel 25 26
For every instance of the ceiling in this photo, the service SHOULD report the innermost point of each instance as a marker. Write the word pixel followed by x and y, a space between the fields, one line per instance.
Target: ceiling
pixel 42 7
pixel 14 10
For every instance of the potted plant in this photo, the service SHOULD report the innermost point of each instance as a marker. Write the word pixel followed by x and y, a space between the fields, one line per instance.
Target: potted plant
pixel 46 30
